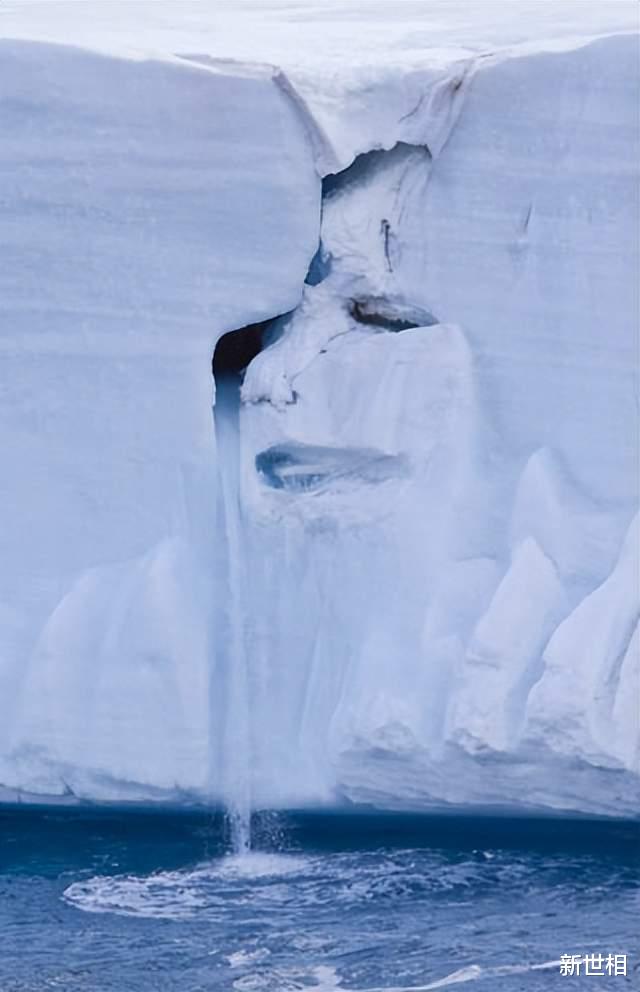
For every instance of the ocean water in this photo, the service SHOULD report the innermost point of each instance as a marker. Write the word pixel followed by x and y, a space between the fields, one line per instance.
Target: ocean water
pixel 131 901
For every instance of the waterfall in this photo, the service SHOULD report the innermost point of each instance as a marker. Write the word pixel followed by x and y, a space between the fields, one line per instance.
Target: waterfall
pixel 236 734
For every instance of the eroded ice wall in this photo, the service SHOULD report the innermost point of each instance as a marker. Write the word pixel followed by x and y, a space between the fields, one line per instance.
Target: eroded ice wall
pixel 473 320
pixel 437 447
pixel 146 206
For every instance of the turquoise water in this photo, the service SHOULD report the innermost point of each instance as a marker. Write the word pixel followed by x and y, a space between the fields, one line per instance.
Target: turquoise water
pixel 132 901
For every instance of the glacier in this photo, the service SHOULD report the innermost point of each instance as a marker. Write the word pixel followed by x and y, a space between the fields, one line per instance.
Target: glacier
pixel 403 572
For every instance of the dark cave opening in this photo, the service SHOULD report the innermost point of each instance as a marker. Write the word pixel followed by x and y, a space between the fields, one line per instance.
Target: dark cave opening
pixel 380 313
pixel 235 349
pixel 363 314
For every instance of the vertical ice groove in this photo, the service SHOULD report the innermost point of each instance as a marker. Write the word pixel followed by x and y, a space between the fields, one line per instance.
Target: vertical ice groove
pixel 324 154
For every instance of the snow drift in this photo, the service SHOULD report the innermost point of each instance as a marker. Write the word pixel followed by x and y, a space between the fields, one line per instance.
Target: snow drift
pixel 437 465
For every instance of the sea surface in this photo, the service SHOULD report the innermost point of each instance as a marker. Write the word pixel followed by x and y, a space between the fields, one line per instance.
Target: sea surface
pixel 132 901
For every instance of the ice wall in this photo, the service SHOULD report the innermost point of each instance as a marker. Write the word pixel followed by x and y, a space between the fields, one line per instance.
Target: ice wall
pixel 147 206
pixel 437 454
pixel 474 317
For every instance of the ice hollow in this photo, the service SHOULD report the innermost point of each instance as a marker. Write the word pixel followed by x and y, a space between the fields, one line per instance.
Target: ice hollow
pixel 306 467
pixel 236 349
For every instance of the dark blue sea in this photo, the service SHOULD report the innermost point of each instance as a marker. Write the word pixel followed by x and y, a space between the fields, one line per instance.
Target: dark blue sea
pixel 126 901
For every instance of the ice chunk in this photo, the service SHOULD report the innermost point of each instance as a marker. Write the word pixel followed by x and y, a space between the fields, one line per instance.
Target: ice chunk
pixel 122 666
pixel 579 536
pixel 585 704
pixel 503 658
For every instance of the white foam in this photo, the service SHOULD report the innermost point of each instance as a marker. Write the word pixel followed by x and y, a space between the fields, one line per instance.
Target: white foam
pixel 239 959
pixel 257 864
pixel 181 894
pixel 165 895
pixel 329 981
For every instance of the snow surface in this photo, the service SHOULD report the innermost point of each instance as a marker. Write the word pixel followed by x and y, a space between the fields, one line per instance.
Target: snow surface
pixel 438 464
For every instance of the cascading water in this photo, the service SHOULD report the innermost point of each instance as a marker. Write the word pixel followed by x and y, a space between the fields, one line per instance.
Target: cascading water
pixel 236 742
pixel 233 353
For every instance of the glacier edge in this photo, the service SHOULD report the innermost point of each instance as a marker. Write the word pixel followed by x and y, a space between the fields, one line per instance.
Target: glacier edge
pixel 474 549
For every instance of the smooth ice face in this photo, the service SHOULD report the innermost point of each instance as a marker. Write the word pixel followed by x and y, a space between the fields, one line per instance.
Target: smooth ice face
pixel 131 190
pixel 419 591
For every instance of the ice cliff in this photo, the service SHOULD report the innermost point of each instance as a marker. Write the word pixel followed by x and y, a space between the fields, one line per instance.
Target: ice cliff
pixel 431 224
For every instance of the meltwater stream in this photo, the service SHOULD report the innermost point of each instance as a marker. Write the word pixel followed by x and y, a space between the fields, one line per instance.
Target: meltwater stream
pixel 237 740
